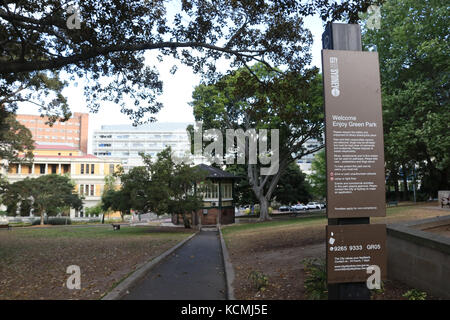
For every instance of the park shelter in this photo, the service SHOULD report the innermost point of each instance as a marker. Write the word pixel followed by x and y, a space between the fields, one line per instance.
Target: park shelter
pixel 218 204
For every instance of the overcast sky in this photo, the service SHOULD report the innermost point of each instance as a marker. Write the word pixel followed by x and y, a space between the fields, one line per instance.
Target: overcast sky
pixel 176 96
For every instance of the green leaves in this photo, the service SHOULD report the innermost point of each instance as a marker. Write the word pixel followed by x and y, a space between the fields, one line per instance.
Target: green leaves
pixel 413 48
pixel 15 139
pixel 259 97
pixel 113 37
pixel 161 186
pixel 318 177
pixel 292 187
pixel 45 194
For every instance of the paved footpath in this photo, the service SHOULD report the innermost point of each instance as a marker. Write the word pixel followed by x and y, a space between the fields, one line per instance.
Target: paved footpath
pixel 194 271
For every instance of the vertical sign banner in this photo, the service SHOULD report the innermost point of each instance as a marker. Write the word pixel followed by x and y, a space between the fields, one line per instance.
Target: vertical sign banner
pixel 351 249
pixel 354 134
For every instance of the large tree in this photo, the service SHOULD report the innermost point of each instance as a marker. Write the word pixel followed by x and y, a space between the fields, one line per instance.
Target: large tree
pixel 46 194
pixel 293 186
pixel 161 186
pixel 318 177
pixel 40 40
pixel 16 143
pixel 413 46
pixel 290 102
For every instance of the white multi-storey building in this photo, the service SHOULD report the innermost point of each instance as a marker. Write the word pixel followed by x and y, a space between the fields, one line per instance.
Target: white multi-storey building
pixel 126 141
pixel 305 162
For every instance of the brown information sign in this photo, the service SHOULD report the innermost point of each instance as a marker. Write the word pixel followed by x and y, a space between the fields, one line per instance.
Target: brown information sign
pixel 353 248
pixel 354 134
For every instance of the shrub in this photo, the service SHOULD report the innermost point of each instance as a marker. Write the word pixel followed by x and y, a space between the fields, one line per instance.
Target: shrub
pixel 316 279
pixel 415 294
pixel 257 210
pixel 94 211
pixel 55 221
pixel 259 280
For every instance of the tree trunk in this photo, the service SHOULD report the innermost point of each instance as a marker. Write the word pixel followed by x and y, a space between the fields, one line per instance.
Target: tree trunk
pixel 405 184
pixel 186 221
pixel 264 209
pixel 397 192
pixel 260 184
pixel 42 218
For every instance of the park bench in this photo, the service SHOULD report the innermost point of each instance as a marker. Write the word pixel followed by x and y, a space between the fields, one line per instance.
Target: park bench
pixel 116 226
pixel 392 203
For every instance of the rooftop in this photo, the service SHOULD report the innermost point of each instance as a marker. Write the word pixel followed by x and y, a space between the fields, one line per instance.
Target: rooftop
pixel 216 172
pixel 149 127
pixel 54 147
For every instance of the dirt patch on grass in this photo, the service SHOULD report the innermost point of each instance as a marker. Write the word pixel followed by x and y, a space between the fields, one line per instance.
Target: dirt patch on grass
pixel 33 263
pixel 278 251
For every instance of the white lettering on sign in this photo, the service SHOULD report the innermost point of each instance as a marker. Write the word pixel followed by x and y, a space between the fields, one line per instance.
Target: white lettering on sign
pixel 334 71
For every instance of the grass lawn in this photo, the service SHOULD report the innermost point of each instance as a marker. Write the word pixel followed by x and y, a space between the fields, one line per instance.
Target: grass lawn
pixel 33 261
pixel 277 248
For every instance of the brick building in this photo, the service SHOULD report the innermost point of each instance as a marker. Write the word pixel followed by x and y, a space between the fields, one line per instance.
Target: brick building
pixel 73 132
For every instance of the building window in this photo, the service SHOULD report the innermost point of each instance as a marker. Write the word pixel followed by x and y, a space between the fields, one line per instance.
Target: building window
pixel 87 168
pixel 212 191
pixel 92 190
pixel 53 168
pixel 92 168
pixel 82 168
pixel 42 168
pixel 65 168
pixel 111 168
pixel 227 191
pixel 215 193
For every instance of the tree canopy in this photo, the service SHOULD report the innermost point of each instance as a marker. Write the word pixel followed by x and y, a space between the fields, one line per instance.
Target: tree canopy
pixel 291 103
pixel 413 46
pixel 38 45
pixel 161 186
pixel 16 143
pixel 318 177
pixel 293 186
pixel 46 194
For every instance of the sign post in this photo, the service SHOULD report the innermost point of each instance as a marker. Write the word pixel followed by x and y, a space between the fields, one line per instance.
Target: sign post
pixel 355 162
